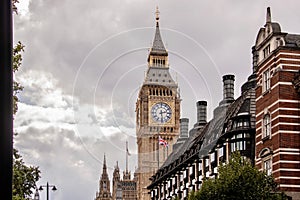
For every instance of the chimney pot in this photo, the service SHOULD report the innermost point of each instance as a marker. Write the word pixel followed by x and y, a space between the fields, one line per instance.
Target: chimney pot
pixel 228 87
pixel 184 128
pixel 201 112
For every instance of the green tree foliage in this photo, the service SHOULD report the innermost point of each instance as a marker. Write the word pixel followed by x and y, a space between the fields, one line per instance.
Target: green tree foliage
pixel 24 177
pixel 17 61
pixel 238 180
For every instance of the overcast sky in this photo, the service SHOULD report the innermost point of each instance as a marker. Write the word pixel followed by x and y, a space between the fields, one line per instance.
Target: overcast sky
pixel 85 61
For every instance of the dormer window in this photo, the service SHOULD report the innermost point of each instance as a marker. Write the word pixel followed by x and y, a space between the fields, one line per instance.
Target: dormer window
pixel 241 123
pixel 267 51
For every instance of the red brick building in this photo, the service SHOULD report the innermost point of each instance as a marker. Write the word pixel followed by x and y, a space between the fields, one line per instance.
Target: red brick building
pixel 276 62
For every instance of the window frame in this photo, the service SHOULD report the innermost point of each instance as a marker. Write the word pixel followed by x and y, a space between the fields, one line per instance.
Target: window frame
pixel 266 78
pixel 267 51
pixel 266 126
pixel 267 166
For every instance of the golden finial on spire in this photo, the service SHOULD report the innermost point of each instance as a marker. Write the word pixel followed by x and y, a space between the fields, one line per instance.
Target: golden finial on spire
pixel 157 14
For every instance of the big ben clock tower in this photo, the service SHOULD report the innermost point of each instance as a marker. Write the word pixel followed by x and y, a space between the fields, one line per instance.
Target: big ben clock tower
pixel 157 114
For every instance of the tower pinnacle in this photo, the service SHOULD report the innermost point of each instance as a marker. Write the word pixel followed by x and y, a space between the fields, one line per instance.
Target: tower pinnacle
pixel 104 184
pixel 104 162
pixel 104 171
pixel 268 17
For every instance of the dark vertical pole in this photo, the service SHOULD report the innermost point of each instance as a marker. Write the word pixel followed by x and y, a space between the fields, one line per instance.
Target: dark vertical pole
pixel 164 153
pixel 158 149
pixel 47 190
pixel 6 106
pixel 126 157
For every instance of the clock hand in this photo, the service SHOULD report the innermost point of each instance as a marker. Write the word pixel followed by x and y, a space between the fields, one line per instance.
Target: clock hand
pixel 161 116
pixel 161 111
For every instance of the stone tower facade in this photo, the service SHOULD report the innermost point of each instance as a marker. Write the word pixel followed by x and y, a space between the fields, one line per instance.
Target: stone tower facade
pixel 157 114
pixel 104 185
pixel 276 61
pixel 117 193
pixel 122 188
pixel 126 188
pixel 128 185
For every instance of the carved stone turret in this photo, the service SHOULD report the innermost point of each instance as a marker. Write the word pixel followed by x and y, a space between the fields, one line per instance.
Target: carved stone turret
pixel 104 184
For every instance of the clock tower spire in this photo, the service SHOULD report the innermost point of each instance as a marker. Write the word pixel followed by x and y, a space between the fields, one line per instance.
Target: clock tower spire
pixel 158 54
pixel 157 113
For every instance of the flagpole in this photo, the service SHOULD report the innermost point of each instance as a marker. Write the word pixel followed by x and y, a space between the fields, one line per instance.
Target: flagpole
pixel 164 156
pixel 127 157
pixel 158 148
pixel 161 121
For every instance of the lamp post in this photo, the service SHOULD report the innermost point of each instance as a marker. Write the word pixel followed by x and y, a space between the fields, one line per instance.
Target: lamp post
pixel 47 188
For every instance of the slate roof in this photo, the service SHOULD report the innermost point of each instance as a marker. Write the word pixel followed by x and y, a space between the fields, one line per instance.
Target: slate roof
pixel 292 40
pixel 159 76
pixel 158 47
pixel 182 148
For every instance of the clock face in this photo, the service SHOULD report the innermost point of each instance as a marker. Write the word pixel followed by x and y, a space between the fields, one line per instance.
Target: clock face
pixel 161 112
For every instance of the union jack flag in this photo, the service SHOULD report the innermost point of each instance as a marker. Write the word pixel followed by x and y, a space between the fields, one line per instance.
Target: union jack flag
pixel 163 142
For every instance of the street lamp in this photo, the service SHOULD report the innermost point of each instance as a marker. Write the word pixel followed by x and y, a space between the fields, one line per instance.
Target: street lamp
pixel 47 187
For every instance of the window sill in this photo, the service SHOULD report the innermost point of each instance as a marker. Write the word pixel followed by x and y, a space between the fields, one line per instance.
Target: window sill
pixel 266 92
pixel 266 138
